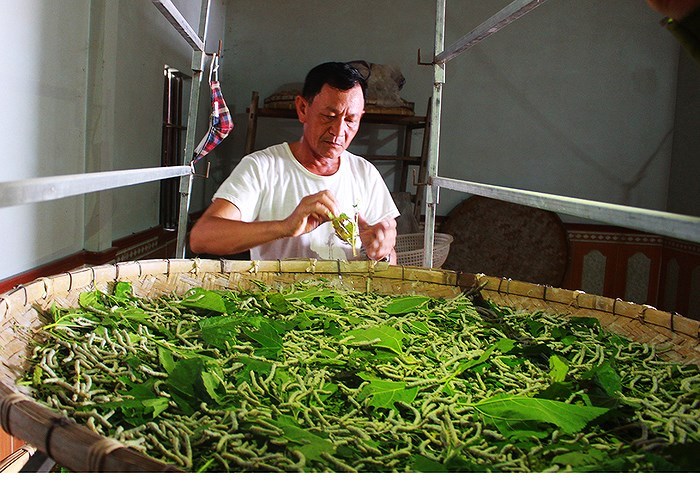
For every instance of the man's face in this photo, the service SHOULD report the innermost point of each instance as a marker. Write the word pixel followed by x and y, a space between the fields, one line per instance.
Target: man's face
pixel 331 120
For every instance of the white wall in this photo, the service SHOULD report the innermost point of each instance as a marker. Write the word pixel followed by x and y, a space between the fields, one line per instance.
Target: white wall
pixel 42 124
pixel 576 98
pixel 83 91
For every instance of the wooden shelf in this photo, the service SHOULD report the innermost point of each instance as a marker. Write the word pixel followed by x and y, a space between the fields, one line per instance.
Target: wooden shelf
pixel 368 117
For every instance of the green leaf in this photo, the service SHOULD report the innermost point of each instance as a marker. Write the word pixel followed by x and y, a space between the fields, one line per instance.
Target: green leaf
pixel 309 444
pixel 327 357
pixel 569 418
pixel 132 314
pixel 504 345
pixel 319 296
pixel 268 338
pixel 327 391
pixel 558 368
pixel 122 290
pixel 165 357
pixel 534 326
pixel 252 365
pixel 557 391
pixel 405 304
pixel 37 375
pixel 156 405
pixel 278 303
pixel 523 431
pixel 303 321
pixel 419 327
pixel 211 380
pixel 140 403
pixel 421 463
pixel 606 377
pixel 380 336
pixel 583 322
pixel 218 330
pixel 384 393
pixel 559 332
pixel 579 460
pixel 90 299
pixel 195 380
pixel 182 382
pixel 204 299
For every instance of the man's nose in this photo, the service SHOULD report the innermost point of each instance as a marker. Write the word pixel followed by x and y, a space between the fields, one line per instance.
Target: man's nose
pixel 338 126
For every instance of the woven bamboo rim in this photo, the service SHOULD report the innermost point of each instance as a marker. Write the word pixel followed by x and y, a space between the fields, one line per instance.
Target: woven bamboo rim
pixel 78 449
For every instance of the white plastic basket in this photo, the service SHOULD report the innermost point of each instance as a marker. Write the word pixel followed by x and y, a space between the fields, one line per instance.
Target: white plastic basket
pixel 409 249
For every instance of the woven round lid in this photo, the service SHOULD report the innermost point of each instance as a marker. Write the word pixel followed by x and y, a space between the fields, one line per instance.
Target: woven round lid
pixel 506 240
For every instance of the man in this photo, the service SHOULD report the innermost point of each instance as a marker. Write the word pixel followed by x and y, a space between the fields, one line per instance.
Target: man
pixel 683 20
pixel 277 202
pixel 676 9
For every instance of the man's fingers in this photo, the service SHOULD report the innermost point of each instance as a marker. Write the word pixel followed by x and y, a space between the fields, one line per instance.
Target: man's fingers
pixel 328 205
pixel 321 204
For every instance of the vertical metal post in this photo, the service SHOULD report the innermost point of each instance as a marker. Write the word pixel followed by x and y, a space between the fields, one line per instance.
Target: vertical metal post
pixel 431 191
pixel 99 118
pixel 186 181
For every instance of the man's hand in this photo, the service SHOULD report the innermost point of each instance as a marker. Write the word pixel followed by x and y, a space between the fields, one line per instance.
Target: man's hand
pixel 378 239
pixel 676 9
pixel 312 211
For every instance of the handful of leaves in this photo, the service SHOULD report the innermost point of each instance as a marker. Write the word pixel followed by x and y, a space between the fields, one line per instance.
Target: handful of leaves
pixel 346 229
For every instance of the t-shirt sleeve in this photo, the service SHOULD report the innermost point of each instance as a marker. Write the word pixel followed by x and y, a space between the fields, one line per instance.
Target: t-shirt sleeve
pixel 243 188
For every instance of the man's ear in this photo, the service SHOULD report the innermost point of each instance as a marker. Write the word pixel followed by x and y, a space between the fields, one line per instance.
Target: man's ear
pixel 301 105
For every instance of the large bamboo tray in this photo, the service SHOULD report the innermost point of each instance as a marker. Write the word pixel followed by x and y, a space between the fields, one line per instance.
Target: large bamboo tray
pixel 78 449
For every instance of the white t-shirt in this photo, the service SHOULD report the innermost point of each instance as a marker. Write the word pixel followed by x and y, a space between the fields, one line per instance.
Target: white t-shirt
pixel 268 185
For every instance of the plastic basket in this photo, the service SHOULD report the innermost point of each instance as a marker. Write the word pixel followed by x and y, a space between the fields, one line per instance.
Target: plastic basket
pixel 409 249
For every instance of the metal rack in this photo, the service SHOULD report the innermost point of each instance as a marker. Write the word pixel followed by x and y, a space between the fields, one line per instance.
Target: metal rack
pixel 659 222
pixel 26 191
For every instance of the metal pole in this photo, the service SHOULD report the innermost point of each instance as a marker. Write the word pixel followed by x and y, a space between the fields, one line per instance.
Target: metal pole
pixel 176 19
pixel 431 191
pixel 668 224
pixel 13 193
pixel 186 182
pixel 506 16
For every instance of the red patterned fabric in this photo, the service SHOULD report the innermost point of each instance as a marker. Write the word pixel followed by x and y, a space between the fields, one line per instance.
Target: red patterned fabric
pixel 220 121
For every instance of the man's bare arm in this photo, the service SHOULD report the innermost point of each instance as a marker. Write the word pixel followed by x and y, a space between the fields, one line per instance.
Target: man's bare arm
pixel 220 230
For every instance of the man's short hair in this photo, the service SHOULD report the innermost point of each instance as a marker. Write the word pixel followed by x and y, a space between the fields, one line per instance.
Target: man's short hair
pixel 339 75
